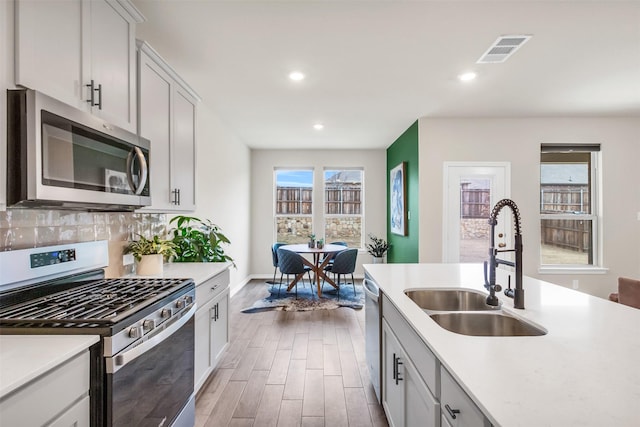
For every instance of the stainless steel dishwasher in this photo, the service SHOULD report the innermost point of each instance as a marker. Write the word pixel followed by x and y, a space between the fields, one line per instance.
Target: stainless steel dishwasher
pixel 372 332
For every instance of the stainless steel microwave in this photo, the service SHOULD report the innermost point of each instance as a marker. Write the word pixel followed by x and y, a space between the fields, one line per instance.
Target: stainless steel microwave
pixel 61 157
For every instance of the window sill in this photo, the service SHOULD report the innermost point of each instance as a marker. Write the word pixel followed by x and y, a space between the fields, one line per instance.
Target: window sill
pixel 572 270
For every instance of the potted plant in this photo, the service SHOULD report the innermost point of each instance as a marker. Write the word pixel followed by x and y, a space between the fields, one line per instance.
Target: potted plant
pixel 150 254
pixel 198 240
pixel 378 248
pixel 320 243
pixel 312 240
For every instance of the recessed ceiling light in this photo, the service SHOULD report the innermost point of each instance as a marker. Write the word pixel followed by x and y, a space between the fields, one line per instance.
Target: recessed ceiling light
pixel 467 77
pixel 318 126
pixel 296 76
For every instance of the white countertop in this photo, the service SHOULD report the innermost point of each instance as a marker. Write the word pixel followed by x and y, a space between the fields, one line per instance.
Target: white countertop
pixel 26 357
pixel 584 372
pixel 198 271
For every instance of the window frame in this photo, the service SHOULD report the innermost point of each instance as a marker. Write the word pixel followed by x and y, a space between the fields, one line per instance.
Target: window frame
pixel 595 214
pixel 325 202
pixel 276 215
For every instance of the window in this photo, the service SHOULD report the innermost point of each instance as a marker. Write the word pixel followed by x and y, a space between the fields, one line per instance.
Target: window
pixel 293 205
pixel 569 216
pixel 343 206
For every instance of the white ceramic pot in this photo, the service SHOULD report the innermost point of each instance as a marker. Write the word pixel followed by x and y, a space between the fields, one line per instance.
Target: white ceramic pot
pixel 149 265
pixel 379 259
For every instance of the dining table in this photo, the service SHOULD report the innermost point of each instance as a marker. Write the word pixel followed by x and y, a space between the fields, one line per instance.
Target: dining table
pixel 321 258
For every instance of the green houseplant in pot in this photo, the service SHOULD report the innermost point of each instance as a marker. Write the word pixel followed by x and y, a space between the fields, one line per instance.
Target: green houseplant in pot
pixel 150 254
pixel 377 248
pixel 198 240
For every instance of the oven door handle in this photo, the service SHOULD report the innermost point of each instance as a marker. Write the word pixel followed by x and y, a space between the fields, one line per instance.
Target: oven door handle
pixel 114 364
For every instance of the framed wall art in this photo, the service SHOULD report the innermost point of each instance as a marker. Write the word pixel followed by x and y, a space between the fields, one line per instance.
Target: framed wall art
pixel 398 202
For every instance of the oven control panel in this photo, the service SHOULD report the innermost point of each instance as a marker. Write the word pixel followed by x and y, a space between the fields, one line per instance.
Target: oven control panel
pixel 42 259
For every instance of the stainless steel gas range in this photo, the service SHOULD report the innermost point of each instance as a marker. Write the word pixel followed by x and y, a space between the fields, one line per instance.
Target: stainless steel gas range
pixel 142 367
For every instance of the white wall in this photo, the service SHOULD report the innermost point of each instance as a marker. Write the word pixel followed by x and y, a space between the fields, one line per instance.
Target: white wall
pixel 263 163
pixel 223 186
pixel 518 141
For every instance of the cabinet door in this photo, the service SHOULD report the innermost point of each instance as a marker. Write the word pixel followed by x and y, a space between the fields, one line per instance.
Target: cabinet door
pixel 203 332
pixel 184 149
pixel 48 49
pixel 220 328
pixel 392 390
pixel 110 49
pixel 421 408
pixel 155 125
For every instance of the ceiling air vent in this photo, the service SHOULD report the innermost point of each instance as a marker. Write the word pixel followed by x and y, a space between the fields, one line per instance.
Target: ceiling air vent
pixel 502 48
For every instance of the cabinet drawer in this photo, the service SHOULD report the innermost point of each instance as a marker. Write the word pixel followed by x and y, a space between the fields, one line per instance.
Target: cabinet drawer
pixel 76 416
pixel 49 395
pixel 208 289
pixel 457 400
pixel 424 360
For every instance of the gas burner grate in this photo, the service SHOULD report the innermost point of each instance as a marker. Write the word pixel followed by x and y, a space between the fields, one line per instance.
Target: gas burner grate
pixel 91 304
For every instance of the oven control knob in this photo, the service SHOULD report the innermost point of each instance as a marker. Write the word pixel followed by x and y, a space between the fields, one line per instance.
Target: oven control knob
pixel 188 299
pixel 149 325
pixel 180 303
pixel 166 313
pixel 134 332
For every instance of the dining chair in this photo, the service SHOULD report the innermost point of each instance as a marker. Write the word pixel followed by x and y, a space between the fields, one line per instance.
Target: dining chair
pixel 291 263
pixel 628 292
pixel 274 258
pixel 344 263
pixel 345 244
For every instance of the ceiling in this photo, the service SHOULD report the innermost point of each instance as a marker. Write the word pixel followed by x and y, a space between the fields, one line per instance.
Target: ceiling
pixel 374 67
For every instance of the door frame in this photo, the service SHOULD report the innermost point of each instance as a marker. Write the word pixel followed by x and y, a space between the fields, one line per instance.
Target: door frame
pixel 506 166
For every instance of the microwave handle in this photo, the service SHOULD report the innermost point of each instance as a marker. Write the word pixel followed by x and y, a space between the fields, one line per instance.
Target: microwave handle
pixel 143 168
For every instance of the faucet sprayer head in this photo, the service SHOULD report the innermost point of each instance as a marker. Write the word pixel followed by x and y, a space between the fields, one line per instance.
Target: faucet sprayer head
pixel 493 218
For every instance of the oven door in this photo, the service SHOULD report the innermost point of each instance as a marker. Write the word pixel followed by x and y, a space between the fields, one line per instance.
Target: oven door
pixel 151 384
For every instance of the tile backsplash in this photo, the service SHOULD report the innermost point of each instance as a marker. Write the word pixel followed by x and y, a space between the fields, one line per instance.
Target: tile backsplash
pixel 30 228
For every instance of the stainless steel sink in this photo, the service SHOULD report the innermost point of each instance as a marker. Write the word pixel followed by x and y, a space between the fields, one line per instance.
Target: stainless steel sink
pixel 450 300
pixel 486 324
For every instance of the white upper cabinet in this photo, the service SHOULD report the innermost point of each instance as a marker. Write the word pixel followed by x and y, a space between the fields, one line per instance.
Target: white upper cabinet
pixel 81 52
pixel 167 117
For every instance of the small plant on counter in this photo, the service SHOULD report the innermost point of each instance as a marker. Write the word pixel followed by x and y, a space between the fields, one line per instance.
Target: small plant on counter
pixel 378 248
pixel 154 246
pixel 198 240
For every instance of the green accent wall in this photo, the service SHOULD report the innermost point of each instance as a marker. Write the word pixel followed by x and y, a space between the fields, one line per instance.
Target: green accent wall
pixel 405 149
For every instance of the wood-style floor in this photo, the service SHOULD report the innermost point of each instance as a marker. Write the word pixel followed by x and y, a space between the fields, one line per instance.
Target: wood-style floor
pixel 290 369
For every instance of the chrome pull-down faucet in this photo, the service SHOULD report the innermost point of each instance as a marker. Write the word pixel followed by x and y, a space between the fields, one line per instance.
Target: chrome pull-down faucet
pixel 490 282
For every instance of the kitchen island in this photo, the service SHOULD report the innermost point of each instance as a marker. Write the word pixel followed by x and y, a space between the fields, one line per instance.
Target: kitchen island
pixel 582 372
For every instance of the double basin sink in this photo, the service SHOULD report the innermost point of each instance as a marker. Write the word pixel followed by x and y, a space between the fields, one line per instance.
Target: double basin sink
pixel 466 312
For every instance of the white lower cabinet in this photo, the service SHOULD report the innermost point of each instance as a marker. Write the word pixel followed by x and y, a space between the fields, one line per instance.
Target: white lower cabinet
pixel 60 397
pixel 406 398
pixel 211 325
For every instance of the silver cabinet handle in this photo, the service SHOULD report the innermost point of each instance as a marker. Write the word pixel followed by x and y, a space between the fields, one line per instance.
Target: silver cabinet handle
pixel 114 364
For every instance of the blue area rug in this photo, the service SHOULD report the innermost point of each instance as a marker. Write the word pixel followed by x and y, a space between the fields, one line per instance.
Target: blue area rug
pixel 308 300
